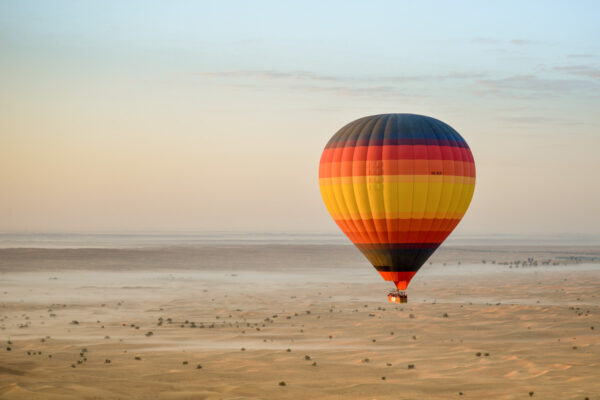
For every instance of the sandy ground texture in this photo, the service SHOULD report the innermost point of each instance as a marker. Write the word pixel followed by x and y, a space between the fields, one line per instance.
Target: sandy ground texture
pixel 297 322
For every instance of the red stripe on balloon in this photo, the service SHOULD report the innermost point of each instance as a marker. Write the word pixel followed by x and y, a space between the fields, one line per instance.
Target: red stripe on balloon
pixel 401 225
pixel 413 237
pixel 404 152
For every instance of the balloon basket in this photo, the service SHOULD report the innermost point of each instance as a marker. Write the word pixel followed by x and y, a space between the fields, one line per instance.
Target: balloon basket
pixel 397 297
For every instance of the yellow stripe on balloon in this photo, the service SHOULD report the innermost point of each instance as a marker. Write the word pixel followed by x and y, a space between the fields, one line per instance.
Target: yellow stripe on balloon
pixel 399 199
pixel 404 215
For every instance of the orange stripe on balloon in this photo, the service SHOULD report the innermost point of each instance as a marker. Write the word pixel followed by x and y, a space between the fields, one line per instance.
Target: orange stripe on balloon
pixel 401 237
pixel 394 167
pixel 402 152
pixel 403 224
pixel 400 278
pixel 362 179
pixel 399 215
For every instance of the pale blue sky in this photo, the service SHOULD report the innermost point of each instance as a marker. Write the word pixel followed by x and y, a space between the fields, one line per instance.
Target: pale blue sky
pixel 212 115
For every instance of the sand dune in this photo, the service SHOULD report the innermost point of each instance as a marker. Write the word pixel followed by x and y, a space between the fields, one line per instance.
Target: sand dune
pixel 80 326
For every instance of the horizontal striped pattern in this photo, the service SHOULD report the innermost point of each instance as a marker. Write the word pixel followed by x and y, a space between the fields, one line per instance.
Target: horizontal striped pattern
pixel 397 185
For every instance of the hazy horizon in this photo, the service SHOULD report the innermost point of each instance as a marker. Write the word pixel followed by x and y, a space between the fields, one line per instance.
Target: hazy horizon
pixel 123 240
pixel 136 116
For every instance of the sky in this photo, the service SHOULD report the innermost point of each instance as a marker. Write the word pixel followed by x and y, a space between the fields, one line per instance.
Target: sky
pixel 204 116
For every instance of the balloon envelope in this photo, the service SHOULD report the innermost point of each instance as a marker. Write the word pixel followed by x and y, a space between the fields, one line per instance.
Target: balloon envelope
pixel 397 185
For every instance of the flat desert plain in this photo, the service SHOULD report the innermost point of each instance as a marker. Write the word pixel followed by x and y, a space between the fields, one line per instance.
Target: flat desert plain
pixel 297 322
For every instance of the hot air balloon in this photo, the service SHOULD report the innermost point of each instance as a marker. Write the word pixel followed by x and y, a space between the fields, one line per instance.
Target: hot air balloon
pixel 397 185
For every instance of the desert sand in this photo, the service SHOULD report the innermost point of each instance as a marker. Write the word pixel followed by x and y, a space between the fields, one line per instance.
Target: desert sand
pixel 297 322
